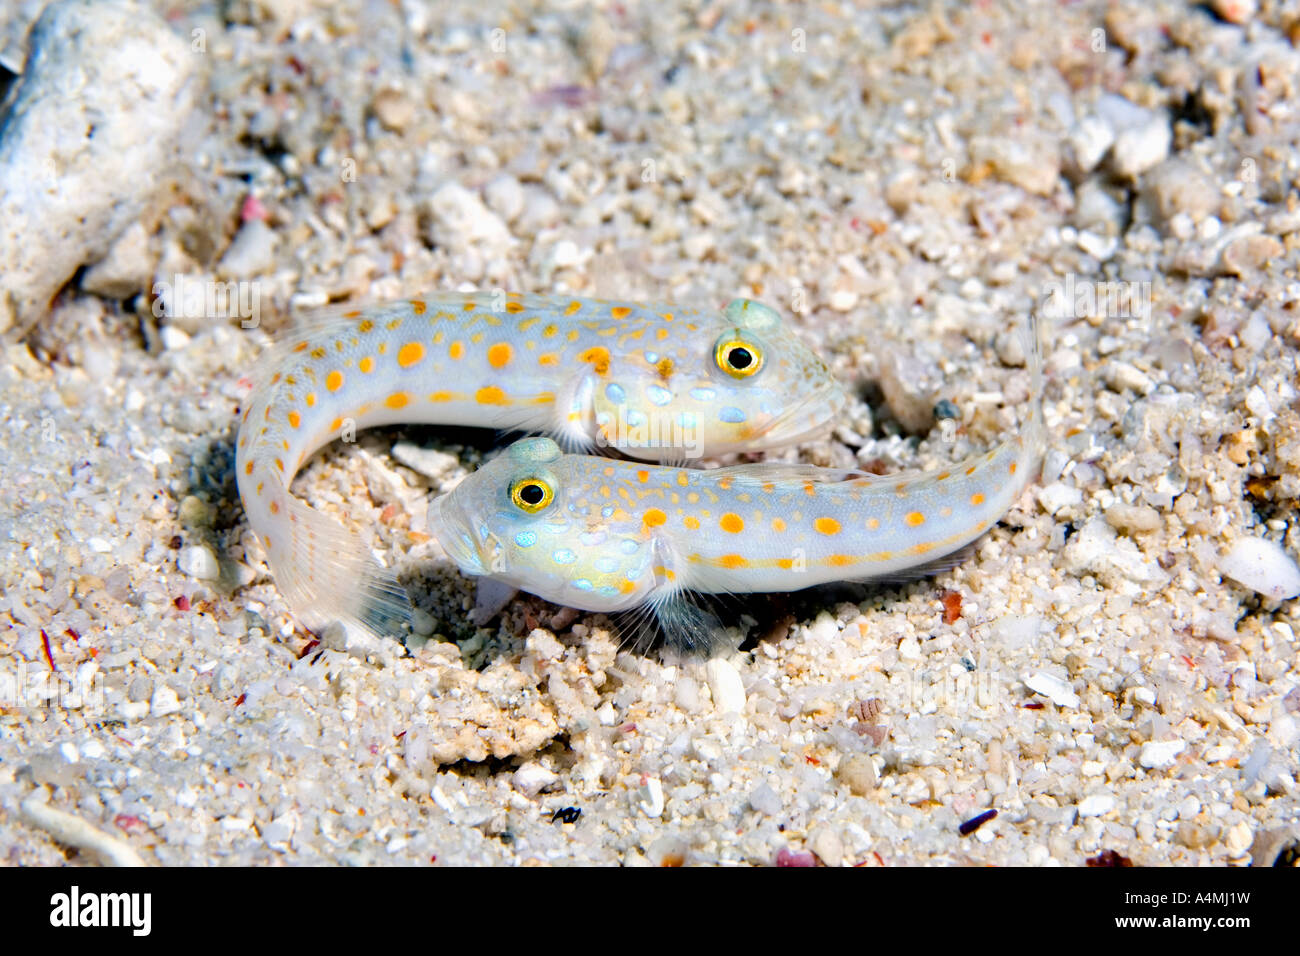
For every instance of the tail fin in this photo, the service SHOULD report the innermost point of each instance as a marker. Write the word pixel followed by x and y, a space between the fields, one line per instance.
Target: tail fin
pixel 325 573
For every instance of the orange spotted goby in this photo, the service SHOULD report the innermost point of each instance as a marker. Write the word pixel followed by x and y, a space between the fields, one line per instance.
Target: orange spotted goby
pixel 653 382
pixel 610 536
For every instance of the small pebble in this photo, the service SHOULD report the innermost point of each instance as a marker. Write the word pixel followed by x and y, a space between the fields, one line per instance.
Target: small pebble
pixel 164 701
pixel 1238 839
pixel 650 797
pixel 394 109
pixel 1141 145
pixel 858 773
pixel 726 686
pixel 1262 566
pixel 1236 11
pixel 427 461
pixel 1096 805
pixel 1250 254
pixel 251 253
pixel 505 197
pixel 1159 754
pixel 1057 496
pixel 198 561
pixel 945 409
pixel 1058 691
pixel 532 778
pixel 763 799
pixel 1139 519
pixel 825 843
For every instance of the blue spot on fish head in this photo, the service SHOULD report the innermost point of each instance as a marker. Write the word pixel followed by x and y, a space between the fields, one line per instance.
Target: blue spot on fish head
pixel 614 392
pixel 564 556
pixel 658 395
pixel 526 539
pixel 731 413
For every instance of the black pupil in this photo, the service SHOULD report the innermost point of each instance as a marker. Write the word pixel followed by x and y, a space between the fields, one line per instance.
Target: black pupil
pixel 740 358
pixel 531 494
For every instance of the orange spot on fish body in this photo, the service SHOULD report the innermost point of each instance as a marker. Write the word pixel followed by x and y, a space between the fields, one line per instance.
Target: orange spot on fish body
pixel 398 400
pixel 499 355
pixel 334 380
pixel 827 526
pixel 620 312
pixel 409 354
pixel 598 357
pixel 733 561
pixel 491 395
pixel 732 523
pixel 915 519
pixel 653 518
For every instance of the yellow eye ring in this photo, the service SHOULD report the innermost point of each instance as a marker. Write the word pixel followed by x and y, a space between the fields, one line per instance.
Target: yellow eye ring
pixel 531 495
pixel 738 358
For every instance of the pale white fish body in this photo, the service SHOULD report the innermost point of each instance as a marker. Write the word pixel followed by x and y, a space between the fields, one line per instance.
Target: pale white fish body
pixel 617 536
pixel 653 382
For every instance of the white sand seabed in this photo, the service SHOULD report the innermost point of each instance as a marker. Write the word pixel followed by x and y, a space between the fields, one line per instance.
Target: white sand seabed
pixel 906 186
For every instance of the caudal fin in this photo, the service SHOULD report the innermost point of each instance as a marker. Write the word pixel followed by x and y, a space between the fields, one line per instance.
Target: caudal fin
pixel 326 573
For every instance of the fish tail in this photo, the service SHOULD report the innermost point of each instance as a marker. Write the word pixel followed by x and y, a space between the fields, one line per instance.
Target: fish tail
pixel 326 573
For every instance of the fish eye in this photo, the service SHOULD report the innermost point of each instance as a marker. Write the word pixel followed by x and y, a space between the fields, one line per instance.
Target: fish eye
pixel 531 495
pixel 737 358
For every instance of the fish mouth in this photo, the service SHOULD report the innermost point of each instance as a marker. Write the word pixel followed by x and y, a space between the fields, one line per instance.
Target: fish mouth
pixel 810 418
pixel 448 523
